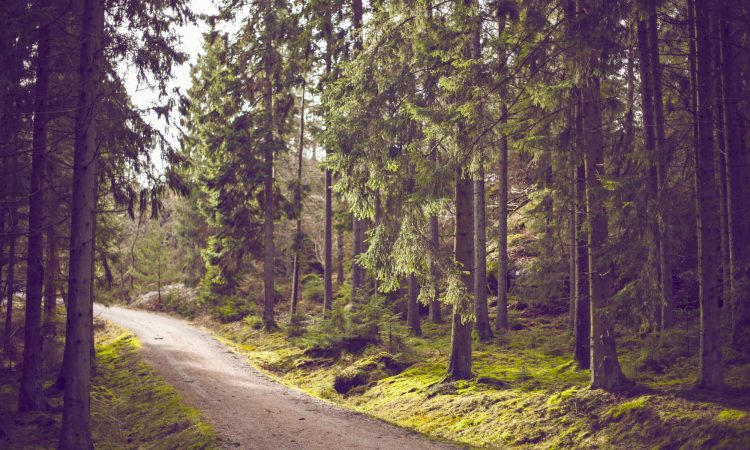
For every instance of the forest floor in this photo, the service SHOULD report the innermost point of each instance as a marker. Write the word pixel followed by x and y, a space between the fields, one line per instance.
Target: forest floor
pixel 526 391
pixel 248 409
pixel 131 406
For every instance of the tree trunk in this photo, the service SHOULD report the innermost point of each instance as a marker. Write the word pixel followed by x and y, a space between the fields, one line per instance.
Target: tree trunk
pixel 662 156
pixel 8 347
pixel 412 310
pixel 298 205
pixel 328 270
pixel 50 289
pixel 605 367
pixel 480 260
pixel 269 250
pixel 720 168
pixel 649 131
pixel 30 396
pixel 582 320
pixel 328 257
pixel 76 418
pixel 709 240
pixel 459 365
pixel 738 182
pixel 436 315
pixel 501 320
pixel 358 272
pixel 358 225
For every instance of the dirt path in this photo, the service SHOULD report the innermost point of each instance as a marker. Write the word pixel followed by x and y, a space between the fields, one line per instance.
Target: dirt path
pixel 248 409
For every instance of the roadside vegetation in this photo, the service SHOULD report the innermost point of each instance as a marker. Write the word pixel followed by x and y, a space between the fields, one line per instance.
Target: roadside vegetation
pixel 131 406
pixel 525 391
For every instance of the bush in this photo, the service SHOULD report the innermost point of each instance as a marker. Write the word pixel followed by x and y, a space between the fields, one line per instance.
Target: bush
pixel 312 287
pixel 352 327
pixel 659 355
pixel 234 309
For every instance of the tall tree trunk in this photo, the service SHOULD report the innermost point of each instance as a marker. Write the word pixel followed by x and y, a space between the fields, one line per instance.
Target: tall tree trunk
pixel 298 205
pixel 709 239
pixel 605 367
pixel 738 180
pixel 340 256
pixel 50 279
pixel 30 396
pixel 720 167
pixel 328 228
pixel 8 348
pixel 436 314
pixel 358 225
pixel 649 131
pixel 412 310
pixel 662 156
pixel 76 418
pixel 482 323
pixel 501 320
pixel 358 272
pixel 459 364
pixel 582 320
pixel 269 250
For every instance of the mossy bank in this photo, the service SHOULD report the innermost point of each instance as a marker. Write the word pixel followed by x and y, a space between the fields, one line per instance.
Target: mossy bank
pixel 526 391
pixel 131 406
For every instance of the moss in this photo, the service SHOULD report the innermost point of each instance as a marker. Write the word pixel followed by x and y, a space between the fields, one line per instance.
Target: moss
pixel 131 407
pixel 630 407
pixel 148 410
pixel 731 415
pixel 526 391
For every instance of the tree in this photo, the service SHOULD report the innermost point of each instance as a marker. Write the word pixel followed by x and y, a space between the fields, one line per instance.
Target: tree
pixel 605 367
pixel 154 266
pixel 76 420
pixel 707 203
pixel 298 206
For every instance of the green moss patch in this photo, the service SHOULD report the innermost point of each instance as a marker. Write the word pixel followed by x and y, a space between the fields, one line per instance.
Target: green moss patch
pixel 526 391
pixel 131 407
pixel 130 398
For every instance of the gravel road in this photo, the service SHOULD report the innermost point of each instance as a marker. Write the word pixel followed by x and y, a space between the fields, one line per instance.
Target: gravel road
pixel 248 409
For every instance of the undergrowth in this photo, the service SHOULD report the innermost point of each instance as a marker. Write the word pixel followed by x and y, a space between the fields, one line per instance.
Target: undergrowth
pixel 526 391
pixel 131 407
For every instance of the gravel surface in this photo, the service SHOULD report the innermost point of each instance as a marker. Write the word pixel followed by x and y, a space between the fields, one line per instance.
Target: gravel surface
pixel 248 409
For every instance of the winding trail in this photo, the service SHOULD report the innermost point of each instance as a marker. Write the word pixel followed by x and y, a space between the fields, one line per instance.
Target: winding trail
pixel 248 409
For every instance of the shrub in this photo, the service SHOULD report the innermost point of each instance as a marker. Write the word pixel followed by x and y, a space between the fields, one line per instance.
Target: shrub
pixel 234 309
pixel 312 287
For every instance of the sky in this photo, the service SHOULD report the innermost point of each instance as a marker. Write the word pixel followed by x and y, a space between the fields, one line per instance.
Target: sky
pixel 143 96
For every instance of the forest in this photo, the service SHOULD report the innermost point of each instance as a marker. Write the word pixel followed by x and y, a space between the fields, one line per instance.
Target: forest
pixel 484 223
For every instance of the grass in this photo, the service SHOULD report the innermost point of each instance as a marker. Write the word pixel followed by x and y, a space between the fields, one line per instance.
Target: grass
pixel 526 391
pixel 131 407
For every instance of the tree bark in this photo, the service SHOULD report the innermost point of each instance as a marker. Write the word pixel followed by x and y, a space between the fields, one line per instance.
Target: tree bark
pixel 501 319
pixel 50 279
pixel 738 181
pixel 8 347
pixel 662 155
pixel 298 204
pixel 480 260
pixel 76 418
pixel 328 229
pixel 720 167
pixel 358 225
pixel 412 310
pixel 605 367
pixel 582 320
pixel 649 131
pixel 709 240
pixel 436 314
pixel 269 250
pixel 459 364
pixel 30 396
